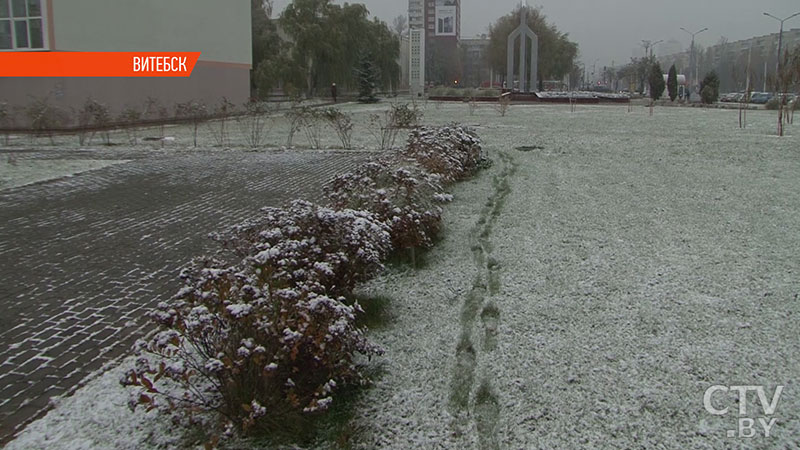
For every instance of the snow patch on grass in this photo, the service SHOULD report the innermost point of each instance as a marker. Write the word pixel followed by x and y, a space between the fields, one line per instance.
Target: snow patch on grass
pixel 97 416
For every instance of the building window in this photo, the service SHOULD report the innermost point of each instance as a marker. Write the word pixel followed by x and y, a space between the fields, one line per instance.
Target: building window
pixel 22 25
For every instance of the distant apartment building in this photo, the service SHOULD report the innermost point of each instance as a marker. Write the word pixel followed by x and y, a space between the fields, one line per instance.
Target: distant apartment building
pixel 220 30
pixel 441 22
pixel 729 59
pixel 416 14
pixel 439 18
pixel 416 63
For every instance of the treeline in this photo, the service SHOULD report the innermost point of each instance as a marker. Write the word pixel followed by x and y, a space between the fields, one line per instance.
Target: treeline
pixel 315 43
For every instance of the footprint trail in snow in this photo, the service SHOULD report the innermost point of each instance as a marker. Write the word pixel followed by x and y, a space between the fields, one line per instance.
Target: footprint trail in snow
pixel 471 359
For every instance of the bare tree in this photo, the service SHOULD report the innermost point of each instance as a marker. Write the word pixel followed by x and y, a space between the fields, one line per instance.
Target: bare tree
pixel 785 79
pixel 399 24
pixel 129 118
pixel 154 111
pixel 744 101
pixel 503 103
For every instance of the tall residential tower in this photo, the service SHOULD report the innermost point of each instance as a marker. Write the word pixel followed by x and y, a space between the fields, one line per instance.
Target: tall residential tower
pixel 441 22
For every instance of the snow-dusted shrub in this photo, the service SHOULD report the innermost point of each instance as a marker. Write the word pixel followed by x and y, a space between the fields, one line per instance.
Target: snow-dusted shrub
pixel 400 194
pixel 384 129
pixel 154 111
pixel 93 117
pixel 193 112
pixel 453 152
pixel 326 250
pixel 44 118
pixel 472 104
pixel 261 354
pixel 503 104
pixel 129 118
pixel 406 115
pixel 253 124
pixel 386 126
pixel 219 130
pixel 268 340
pixel 342 124
pixel 310 121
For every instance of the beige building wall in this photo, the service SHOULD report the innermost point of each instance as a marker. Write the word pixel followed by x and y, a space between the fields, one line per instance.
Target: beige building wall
pixel 219 29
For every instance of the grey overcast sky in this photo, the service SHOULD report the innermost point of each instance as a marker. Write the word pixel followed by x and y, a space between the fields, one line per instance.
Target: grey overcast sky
pixel 612 30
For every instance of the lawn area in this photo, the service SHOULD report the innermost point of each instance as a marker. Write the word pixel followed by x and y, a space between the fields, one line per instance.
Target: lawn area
pixel 635 262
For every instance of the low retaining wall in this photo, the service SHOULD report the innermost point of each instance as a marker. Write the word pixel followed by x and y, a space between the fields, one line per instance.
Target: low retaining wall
pixel 532 98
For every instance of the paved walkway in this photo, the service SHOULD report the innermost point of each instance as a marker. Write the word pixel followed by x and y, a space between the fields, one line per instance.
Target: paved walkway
pixel 83 259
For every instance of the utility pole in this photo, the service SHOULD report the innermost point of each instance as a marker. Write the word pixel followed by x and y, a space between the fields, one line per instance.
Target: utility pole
pixel 693 57
pixel 780 45
pixel 615 79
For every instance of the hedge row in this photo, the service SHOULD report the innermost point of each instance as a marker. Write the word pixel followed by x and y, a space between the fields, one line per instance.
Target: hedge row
pixel 272 336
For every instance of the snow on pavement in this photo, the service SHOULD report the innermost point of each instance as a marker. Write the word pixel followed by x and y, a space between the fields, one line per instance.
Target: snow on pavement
pixel 97 417
pixel 16 172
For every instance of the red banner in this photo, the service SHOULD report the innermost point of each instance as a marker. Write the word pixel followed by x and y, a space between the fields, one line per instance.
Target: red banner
pixel 97 64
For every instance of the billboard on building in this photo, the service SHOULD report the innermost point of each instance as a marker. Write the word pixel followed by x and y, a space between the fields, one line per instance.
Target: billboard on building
pixel 446 14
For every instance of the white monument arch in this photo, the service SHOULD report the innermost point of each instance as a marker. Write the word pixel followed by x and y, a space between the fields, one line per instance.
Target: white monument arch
pixel 526 71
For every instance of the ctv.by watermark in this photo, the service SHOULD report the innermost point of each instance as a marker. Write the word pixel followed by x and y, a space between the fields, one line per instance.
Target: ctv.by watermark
pixel 754 419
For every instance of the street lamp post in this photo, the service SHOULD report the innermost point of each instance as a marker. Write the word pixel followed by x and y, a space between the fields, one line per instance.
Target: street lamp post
pixel 585 73
pixel 646 45
pixel 780 45
pixel 653 46
pixel 692 57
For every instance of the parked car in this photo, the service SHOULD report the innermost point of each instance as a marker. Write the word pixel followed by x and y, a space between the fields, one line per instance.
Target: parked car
pixel 760 98
pixel 729 97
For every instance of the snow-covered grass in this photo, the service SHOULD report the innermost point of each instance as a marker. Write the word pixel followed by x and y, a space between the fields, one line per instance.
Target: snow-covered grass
pixel 586 293
pixel 19 172
pixel 637 261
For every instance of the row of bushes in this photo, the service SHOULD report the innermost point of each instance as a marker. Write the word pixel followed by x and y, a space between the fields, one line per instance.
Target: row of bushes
pixel 264 333
pixel 41 118
pixel 94 118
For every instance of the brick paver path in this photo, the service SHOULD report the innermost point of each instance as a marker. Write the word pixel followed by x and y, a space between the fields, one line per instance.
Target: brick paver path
pixel 83 259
